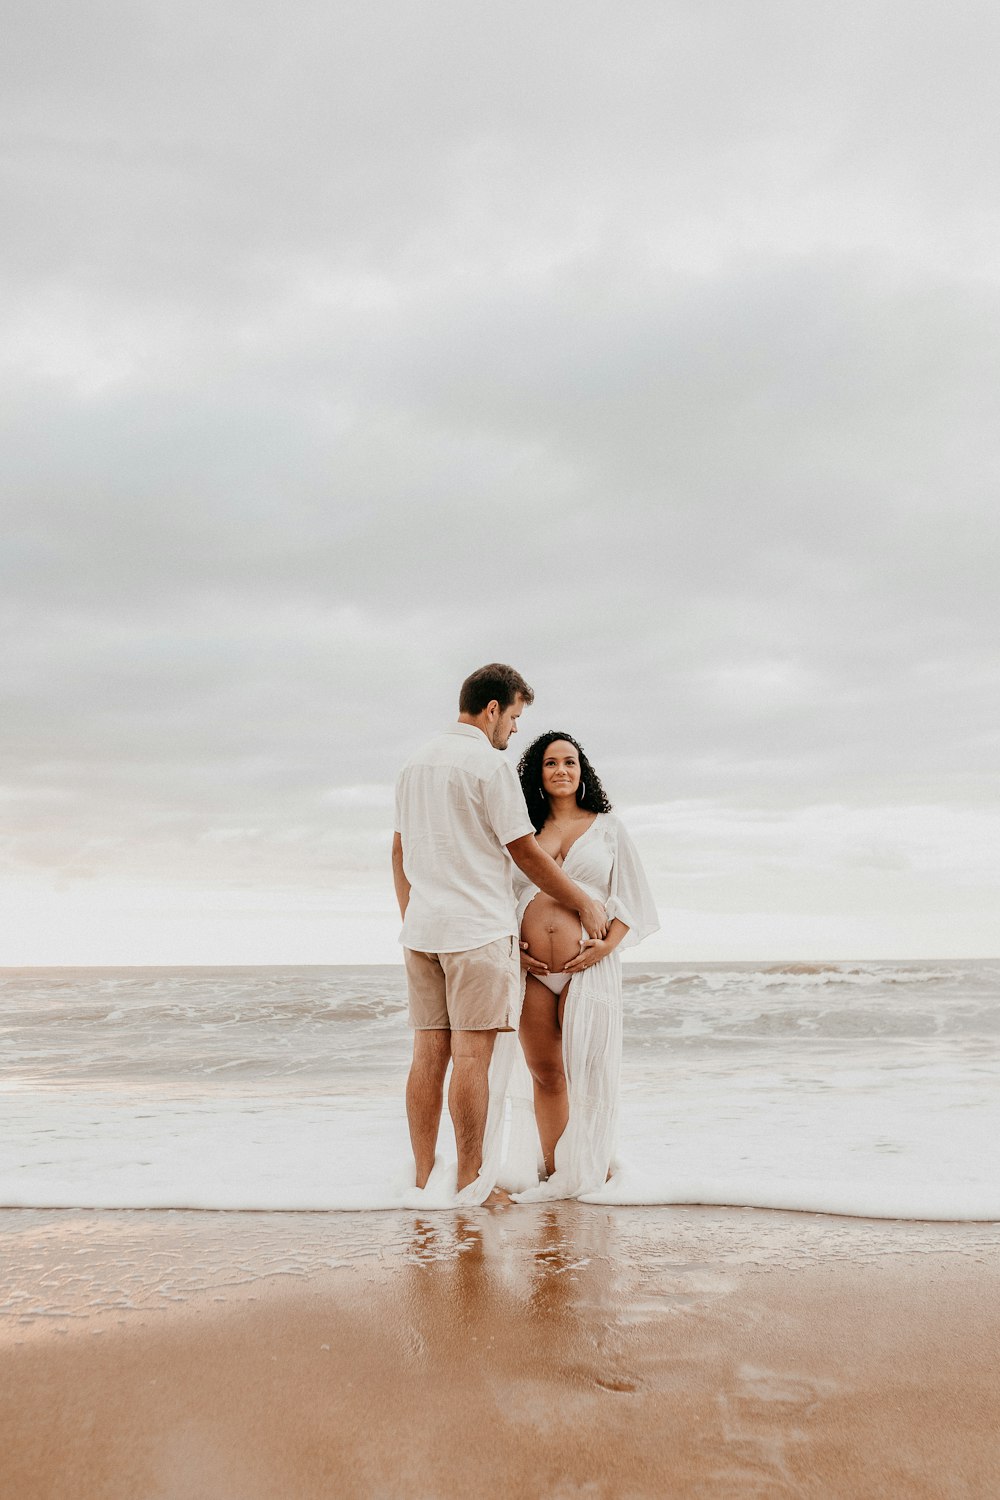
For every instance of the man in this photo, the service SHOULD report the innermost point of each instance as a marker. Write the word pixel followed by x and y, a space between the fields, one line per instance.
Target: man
pixel 460 819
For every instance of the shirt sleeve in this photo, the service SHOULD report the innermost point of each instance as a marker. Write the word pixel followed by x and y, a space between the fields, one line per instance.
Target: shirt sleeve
pixel 630 899
pixel 397 826
pixel 505 805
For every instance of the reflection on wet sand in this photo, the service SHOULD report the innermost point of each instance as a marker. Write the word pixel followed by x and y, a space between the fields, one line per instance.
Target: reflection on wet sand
pixel 489 1276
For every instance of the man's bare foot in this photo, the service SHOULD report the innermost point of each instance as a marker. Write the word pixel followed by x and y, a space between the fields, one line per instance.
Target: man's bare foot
pixel 499 1198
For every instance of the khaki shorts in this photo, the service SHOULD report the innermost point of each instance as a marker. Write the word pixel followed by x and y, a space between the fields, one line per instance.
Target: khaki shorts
pixel 472 991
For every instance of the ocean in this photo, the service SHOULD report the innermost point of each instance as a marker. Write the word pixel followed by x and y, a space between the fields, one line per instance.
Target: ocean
pixel 867 1089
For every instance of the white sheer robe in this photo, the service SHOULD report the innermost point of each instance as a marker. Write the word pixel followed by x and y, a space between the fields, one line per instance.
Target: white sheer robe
pixel 604 861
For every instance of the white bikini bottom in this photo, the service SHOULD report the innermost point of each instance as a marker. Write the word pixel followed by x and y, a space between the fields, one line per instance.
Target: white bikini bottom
pixel 554 982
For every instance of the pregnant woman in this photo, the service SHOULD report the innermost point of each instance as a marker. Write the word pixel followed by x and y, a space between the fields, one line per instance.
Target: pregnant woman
pixel 571 1017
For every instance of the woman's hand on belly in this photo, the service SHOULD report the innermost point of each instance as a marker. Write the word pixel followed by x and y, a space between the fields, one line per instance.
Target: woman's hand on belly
pixel 530 964
pixel 592 950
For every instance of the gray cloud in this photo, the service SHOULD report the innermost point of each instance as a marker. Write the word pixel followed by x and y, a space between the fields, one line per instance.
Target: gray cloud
pixel 345 351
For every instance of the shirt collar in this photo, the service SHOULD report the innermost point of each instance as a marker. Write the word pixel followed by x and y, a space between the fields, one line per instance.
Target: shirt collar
pixel 469 730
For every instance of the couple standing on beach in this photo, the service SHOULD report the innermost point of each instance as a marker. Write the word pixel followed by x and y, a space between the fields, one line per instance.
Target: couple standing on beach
pixel 515 898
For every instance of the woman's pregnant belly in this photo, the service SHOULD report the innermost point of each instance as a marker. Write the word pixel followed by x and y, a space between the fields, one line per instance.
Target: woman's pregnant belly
pixel 552 932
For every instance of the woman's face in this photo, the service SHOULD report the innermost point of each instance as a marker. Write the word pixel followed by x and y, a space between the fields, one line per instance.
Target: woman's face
pixel 560 769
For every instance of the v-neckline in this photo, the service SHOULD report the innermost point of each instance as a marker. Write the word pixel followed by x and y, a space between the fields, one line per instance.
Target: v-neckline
pixel 562 862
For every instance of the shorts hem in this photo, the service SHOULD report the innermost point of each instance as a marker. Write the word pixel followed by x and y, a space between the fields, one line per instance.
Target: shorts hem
pixel 506 1030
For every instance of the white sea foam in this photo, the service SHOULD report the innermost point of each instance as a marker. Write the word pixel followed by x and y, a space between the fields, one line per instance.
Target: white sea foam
pixel 855 1089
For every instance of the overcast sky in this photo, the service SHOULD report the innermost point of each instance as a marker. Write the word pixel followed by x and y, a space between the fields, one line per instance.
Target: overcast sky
pixel 654 348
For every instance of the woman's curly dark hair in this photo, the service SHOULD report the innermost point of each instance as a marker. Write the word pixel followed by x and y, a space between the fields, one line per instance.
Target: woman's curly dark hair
pixel 529 768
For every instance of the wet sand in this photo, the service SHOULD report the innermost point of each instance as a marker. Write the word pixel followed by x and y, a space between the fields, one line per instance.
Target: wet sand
pixel 564 1350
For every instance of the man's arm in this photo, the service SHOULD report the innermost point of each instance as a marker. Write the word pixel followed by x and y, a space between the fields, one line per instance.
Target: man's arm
pixel 542 870
pixel 399 879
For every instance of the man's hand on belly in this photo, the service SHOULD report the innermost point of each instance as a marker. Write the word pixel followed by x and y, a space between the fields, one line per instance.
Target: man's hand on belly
pixel 594 918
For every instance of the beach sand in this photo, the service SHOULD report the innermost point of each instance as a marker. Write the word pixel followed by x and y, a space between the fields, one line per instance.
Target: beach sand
pixel 565 1350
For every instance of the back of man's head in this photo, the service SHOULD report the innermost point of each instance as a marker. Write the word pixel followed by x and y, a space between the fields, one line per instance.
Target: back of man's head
pixel 497 681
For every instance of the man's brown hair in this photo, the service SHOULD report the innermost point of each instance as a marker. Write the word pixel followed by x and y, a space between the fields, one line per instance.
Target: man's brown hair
pixel 495 681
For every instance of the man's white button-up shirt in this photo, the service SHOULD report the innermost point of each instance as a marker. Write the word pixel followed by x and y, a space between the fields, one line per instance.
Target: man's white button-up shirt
pixel 458 803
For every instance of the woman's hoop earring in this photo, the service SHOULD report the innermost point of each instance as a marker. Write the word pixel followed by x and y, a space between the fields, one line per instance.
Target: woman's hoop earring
pixel 583 790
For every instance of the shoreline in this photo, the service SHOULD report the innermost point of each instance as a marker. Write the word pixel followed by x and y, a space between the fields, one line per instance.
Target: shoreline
pixel 563 1349
pixel 942 1221
pixel 806 965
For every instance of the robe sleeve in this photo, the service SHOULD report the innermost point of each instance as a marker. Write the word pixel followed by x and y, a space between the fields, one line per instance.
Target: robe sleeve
pixel 630 898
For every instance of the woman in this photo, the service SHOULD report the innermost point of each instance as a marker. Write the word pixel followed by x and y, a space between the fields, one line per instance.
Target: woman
pixel 571 1017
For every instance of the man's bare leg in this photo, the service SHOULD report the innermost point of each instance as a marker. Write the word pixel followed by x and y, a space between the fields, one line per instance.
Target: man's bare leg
pixel 469 1097
pixel 425 1096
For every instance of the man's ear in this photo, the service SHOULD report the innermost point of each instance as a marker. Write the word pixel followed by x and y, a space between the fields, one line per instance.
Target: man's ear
pixel 493 708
